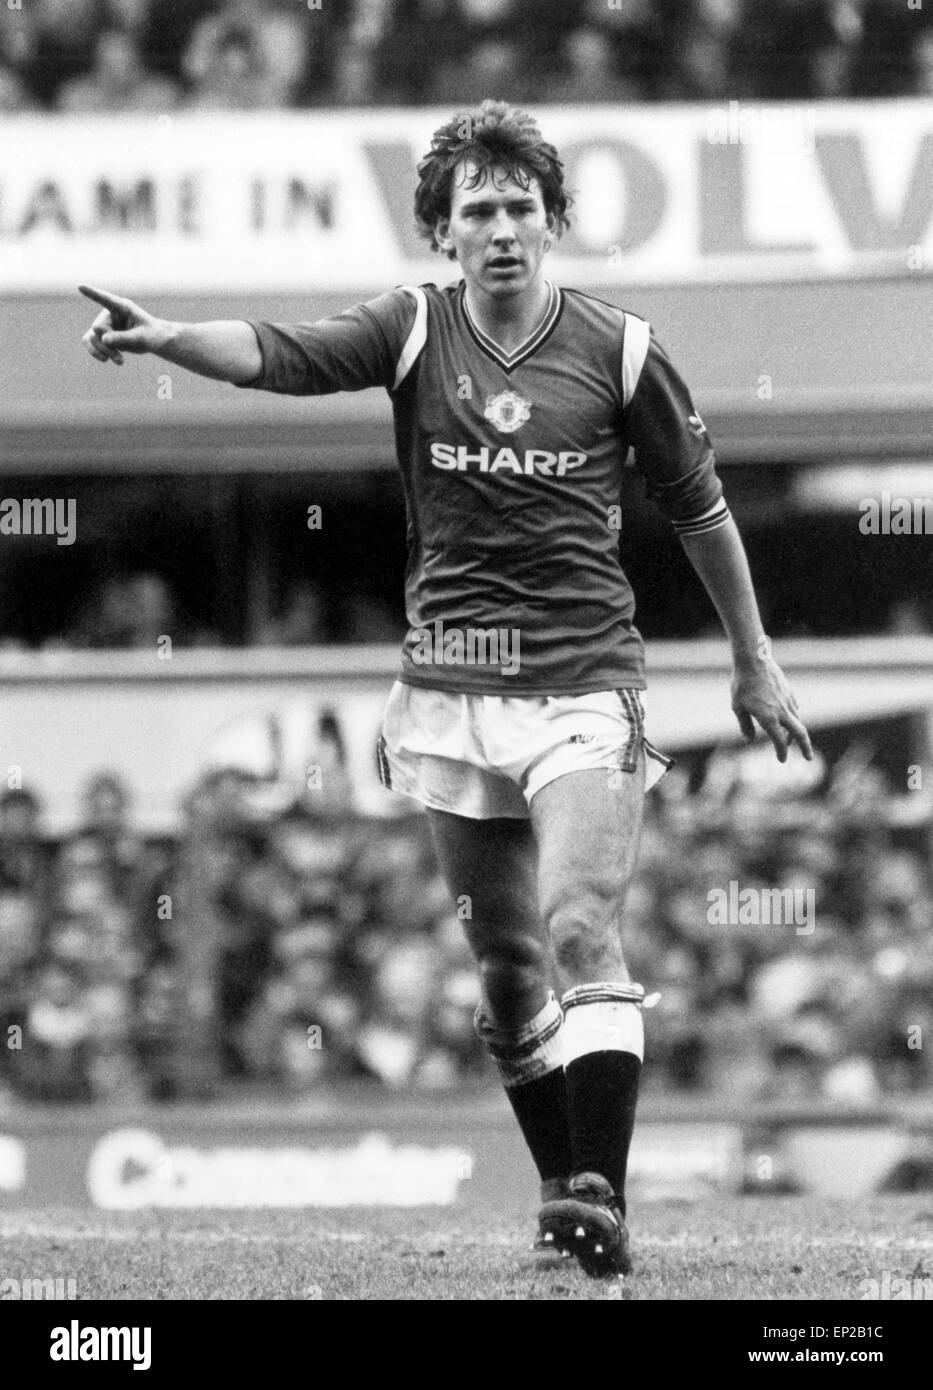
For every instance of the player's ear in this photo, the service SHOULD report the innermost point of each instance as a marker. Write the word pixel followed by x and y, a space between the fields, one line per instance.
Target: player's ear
pixel 442 235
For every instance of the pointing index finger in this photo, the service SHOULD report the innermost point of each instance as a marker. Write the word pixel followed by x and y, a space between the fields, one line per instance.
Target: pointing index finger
pixel 104 297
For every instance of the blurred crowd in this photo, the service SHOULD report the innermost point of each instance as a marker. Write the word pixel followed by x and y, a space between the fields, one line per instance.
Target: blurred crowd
pixel 281 945
pixel 87 56
pixel 268 943
pixel 833 1006
pixel 137 610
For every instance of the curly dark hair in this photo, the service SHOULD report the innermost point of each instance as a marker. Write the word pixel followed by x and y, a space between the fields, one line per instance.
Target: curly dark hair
pixel 492 134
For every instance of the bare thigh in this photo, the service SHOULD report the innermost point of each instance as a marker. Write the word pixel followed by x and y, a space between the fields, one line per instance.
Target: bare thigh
pixel 587 827
pixel 490 867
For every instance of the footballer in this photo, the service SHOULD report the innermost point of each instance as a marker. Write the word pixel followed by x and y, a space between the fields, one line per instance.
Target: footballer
pixel 515 403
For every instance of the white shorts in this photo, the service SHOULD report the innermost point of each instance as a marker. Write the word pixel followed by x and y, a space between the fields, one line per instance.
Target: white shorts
pixel 485 756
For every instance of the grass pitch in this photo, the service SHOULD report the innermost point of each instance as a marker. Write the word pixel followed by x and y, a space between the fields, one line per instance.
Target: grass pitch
pixel 731 1248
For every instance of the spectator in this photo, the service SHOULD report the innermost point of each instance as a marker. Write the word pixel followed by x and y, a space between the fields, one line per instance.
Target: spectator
pixel 354 80
pixel 25 893
pixel 639 39
pixel 14 95
pixel 418 31
pixel 393 1040
pixel 367 619
pixel 492 65
pixel 117 82
pixel 105 822
pixel 301 621
pixel 65 35
pixel 91 934
pixel 154 1038
pixel 246 57
pixel 24 862
pixel 484 19
pixel 167 30
pixel 56 1058
pixel 19 38
pixel 134 610
pixel 233 77
pixel 492 46
pixel 922 64
pixel 777 49
pixel 834 62
pixel 133 17
pixel 590 71
pixel 25 881
pixel 885 59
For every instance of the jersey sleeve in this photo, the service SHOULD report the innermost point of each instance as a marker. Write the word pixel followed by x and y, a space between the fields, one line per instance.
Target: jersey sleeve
pixel 673 451
pixel 363 346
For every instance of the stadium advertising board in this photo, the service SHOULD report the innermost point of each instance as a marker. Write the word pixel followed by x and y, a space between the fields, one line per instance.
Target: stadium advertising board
pixel 440 1152
pixel 435 1155
pixel 304 202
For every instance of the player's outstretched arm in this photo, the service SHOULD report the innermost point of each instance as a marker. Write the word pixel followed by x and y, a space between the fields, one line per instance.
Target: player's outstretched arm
pixel 760 692
pixel 226 349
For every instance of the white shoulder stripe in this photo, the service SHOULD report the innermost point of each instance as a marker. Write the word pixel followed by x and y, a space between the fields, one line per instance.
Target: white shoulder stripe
pixel 634 352
pixel 416 338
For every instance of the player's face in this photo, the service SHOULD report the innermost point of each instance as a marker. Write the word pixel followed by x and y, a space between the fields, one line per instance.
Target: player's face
pixel 498 230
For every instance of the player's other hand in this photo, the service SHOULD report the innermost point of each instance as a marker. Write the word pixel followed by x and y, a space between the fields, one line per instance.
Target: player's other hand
pixel 761 694
pixel 120 327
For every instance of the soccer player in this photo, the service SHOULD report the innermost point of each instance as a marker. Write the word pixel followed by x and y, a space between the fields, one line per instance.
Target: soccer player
pixel 518 716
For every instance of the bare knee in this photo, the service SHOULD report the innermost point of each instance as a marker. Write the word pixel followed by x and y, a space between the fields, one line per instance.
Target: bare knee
pixel 584 927
pixel 513 974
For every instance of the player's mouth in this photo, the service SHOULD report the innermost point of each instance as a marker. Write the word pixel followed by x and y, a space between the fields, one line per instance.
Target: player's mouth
pixel 504 263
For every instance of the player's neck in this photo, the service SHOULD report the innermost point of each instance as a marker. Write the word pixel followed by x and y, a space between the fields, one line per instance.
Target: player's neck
pixel 509 321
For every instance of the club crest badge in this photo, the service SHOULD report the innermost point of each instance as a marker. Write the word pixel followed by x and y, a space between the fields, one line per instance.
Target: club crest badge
pixel 507 411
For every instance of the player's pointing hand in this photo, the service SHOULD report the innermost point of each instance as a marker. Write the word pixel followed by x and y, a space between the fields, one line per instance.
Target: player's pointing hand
pixel 761 694
pixel 120 327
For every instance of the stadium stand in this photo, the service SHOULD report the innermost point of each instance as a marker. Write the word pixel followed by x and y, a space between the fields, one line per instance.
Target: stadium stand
pixel 271 926
pixel 144 55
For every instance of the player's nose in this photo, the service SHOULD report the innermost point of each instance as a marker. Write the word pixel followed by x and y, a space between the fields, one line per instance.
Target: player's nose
pixel 503 230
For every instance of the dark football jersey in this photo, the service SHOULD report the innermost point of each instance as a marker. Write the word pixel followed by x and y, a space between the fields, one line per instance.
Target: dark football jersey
pixel 511 465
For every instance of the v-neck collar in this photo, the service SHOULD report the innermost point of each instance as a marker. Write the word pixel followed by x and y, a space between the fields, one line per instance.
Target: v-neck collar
pixel 508 361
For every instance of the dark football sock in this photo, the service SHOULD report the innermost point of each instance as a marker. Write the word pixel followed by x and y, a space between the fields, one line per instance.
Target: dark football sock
pixel 540 1107
pixel 602 1093
pixel 529 1059
pixel 604 1042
